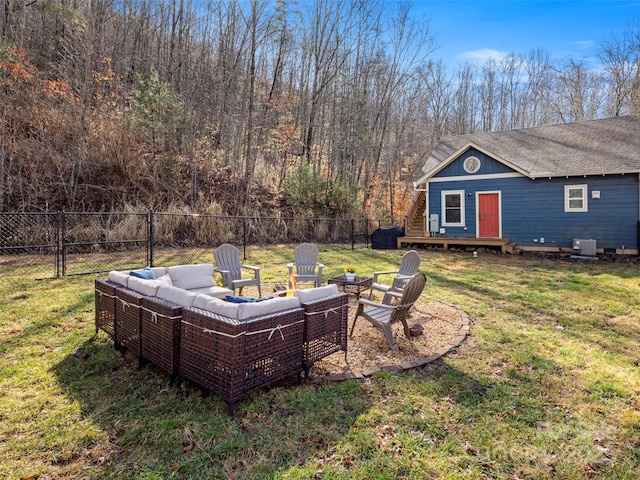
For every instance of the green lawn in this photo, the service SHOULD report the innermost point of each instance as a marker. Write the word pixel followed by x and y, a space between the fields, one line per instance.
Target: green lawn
pixel 547 386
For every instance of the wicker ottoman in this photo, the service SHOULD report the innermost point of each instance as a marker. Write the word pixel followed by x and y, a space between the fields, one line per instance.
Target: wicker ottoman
pixel 325 329
pixel 105 300
pixel 160 339
pixel 233 358
pixel 128 320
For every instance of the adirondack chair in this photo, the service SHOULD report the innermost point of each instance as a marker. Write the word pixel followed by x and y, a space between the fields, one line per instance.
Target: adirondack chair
pixel 409 265
pixel 305 266
pixel 228 265
pixel 383 315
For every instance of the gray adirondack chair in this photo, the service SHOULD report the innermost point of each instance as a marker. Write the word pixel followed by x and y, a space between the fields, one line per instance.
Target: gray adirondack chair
pixel 382 315
pixel 228 265
pixel 409 265
pixel 305 266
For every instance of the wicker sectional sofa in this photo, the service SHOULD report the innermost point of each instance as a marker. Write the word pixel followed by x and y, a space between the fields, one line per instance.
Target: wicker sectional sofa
pixel 228 348
pixel 119 298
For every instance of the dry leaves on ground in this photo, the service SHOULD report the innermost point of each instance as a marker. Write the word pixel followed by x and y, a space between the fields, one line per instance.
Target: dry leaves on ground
pixel 367 348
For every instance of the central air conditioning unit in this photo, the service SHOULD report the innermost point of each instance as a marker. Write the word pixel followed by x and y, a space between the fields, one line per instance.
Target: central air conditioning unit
pixel 584 248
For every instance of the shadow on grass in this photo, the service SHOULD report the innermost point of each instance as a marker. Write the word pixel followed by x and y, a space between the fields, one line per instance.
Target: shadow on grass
pixel 33 328
pixel 158 430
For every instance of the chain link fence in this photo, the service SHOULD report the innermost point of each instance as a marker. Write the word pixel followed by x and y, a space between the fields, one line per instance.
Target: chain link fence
pixel 49 245
pixel 98 242
pixel 29 245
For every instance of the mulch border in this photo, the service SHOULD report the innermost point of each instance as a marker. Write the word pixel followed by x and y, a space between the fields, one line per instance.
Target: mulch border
pixel 455 342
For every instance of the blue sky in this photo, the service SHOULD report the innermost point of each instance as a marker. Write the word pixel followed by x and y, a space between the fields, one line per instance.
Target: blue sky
pixel 472 31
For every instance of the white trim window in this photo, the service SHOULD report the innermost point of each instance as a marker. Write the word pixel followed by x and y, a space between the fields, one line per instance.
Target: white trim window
pixel 453 208
pixel 575 198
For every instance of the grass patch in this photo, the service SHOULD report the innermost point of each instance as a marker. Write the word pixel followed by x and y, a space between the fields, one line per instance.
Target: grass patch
pixel 546 387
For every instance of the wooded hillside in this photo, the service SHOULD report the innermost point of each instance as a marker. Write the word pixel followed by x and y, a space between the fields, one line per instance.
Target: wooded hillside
pixel 324 108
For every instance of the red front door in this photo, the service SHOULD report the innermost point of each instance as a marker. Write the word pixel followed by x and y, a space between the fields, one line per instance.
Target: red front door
pixel 488 215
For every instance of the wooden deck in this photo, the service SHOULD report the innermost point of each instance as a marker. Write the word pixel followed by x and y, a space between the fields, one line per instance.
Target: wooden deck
pixel 503 244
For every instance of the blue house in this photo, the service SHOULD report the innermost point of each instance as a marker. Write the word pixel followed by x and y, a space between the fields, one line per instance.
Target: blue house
pixel 542 188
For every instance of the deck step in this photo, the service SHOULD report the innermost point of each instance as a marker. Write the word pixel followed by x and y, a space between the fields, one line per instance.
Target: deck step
pixel 512 248
pixel 414 224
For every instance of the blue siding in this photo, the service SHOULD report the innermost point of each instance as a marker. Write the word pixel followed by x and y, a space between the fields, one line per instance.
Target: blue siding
pixel 488 165
pixel 535 208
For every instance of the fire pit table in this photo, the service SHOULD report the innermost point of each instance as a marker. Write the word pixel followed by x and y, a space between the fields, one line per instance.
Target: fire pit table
pixel 355 286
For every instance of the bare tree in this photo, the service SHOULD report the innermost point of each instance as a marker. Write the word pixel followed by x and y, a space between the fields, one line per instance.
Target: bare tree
pixel 511 73
pixel 579 93
pixel 488 92
pixel 536 110
pixel 251 89
pixel 409 46
pixel 465 112
pixel 620 57
pixel 437 99
pixel 253 25
pixel 327 30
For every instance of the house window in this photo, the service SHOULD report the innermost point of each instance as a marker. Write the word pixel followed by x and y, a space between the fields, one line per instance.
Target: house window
pixel 575 198
pixel 453 208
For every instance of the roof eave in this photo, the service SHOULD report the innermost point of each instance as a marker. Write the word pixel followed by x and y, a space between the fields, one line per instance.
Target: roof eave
pixel 535 175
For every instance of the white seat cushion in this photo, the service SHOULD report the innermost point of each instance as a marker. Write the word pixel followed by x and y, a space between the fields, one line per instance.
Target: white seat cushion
pixel 217 292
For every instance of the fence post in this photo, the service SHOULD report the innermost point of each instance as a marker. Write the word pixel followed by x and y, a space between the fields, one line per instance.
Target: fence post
pixel 244 237
pixel 150 238
pixel 58 236
pixel 353 234
pixel 63 242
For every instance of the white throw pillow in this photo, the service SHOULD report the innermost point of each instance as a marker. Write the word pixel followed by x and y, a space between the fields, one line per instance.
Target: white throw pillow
pixel 159 271
pixel 164 280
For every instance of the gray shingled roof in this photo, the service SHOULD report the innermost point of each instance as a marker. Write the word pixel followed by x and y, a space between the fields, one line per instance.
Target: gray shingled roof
pixel 595 147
